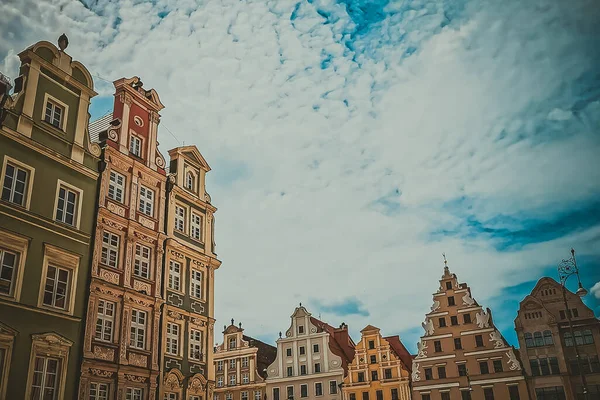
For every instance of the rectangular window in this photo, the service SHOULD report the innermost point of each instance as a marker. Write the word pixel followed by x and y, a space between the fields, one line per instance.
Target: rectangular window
pixel 98 391
pixel 219 381
pixel 146 201
pixel 317 368
pixel 394 394
pixel 66 206
pixel 442 322
pixel 245 362
pixel 445 395
pixel 134 394
pixel 290 371
pixel 437 346
pixel 110 249
pixel 554 369
pixel 333 387
pixel 135 146
pixel 513 392
pixel 46 375
pixel 373 359
pixel 453 320
pixel 575 312
pixel 232 345
pixel 244 395
pixel 300 329
pixel 105 320
pixel 379 394
pixel 232 361
pixel 196 227
pixel 56 287
pixel 361 376
pixel 352 396
pixel 275 393
pixel 141 265
pixel 171 396
pixel 488 393
pixel 304 390
pixel 462 369
pixel 220 365
pixel 196 284
pixel 302 350
pixel 428 374
pixel 562 314
pixel 535 367
pixel 441 372
pixel 371 344
pixel 116 186
pixel 451 301
pixel 318 389
pixel 257 395
pixel 179 218
pixel 228 396
pixel 387 373
pixel 174 275
pixel 14 187
pixel 54 114
pixel 231 380
pixel 478 340
pixel 290 392
pixel 8 271
pixel 498 366
pixel 245 378
pixel 288 352
pixel 315 348
pixel 365 395
pixel 172 339
pixel 465 395
pixel 374 376
pixel 483 367
pixel 425 396
pixel 457 344
pixel 466 318
pixel 303 370
pixel 137 337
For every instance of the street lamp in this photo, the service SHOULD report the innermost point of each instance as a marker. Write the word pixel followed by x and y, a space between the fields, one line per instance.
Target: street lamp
pixel 566 269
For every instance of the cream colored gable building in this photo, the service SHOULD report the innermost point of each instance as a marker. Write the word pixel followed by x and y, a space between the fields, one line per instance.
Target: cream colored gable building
pixel 311 360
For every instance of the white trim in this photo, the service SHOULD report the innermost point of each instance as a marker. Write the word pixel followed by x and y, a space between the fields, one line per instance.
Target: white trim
pixel 30 176
pixel 77 219
pixel 445 335
pixel 439 314
pixel 497 380
pixel 441 386
pixel 59 258
pixel 463 333
pixel 464 310
pixel 425 359
pixel 64 117
pixel 474 353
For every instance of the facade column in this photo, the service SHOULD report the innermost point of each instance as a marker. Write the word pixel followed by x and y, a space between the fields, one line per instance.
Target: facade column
pixel 77 151
pixel 124 134
pixel 151 159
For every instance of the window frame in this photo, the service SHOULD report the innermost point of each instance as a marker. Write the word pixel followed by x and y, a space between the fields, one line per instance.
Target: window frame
pixel 180 219
pixel 319 392
pixel 193 284
pixel 103 319
pixel 173 339
pixel 65 112
pixel 139 259
pixel 193 342
pixel 196 227
pixel 139 141
pixel 130 392
pixel 50 345
pixel 27 193
pixel 141 209
pixel 60 258
pixel 97 396
pixel 79 203
pixel 334 387
pixel 19 245
pixel 172 275
pixel 116 186
pixel 109 247
pixel 138 326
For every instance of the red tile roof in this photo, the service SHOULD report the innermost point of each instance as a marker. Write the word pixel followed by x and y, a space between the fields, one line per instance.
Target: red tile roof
pixel 340 342
pixel 400 351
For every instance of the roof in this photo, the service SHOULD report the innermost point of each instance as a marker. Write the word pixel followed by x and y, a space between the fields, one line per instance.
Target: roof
pixel 98 126
pixel 345 350
pixel 369 328
pixel 400 350
pixel 264 357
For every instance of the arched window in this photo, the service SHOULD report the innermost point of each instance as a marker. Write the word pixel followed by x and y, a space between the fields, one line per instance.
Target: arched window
pixel 189 181
pixel 548 338
pixel 568 339
pixel 539 340
pixel 529 340
pixel 588 338
pixel 578 338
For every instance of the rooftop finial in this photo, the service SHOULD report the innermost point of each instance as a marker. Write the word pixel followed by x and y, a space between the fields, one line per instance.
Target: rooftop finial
pixel 300 304
pixel 63 42
pixel 446 270
pixel 240 325
pixel 232 321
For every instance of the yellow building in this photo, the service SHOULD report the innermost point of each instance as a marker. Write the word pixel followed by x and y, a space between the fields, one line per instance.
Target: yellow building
pixel 380 369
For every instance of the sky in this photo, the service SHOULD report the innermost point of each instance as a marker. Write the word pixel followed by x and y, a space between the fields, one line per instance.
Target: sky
pixel 353 142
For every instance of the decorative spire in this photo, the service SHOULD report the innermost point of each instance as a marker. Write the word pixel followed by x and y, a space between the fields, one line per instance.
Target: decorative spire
pixel 63 42
pixel 446 270
pixel 240 325
pixel 279 334
pixel 232 322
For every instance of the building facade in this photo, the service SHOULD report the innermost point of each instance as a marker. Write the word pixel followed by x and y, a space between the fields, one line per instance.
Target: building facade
pixel 312 360
pixel 240 364
pixel 190 262
pixel 49 172
pixel 547 345
pixel 121 347
pixel 462 355
pixel 380 368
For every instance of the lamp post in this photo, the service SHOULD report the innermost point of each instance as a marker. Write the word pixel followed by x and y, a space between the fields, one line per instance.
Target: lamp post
pixel 566 269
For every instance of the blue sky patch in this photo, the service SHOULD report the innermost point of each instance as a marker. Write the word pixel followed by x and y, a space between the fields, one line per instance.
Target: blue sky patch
pixel 341 308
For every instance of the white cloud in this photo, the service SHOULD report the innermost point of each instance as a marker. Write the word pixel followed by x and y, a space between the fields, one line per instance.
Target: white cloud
pixel 301 154
pixel 596 290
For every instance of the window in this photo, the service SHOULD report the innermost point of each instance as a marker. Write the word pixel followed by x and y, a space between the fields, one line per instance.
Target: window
pixel 301 329
pixel 448 285
pixel 110 249
pixel 451 301
pixel 379 394
pixel 196 284
pixel 290 392
pixel 387 373
pixel 228 396
pixel 428 374
pixel 98 391
pixel 575 312
pixel 445 395
pixel 66 206
pixel 332 387
pixel 137 337
pixel 352 396
pixel 180 218
pixel 302 350
pixel 196 227
pixel 554 369
pixel 465 395
pixel 245 378
pixel 219 381
pixel 513 392
pixel 361 376
pixel 54 114
pixel 318 389
pixel 478 340
pixel 442 322
pixel 232 345
pixel 562 314
pixel 275 393
pixel 588 338
pixel 497 365
pixel 466 318
pixel 105 320
pixel 535 367
pixel 290 371
pixel 483 367
pixel 454 320
pixel 116 186
pixel 373 359
pixel 538 339
pixel 196 345
pixel 134 394
pixel 394 394
pixel 374 376
pixel 568 339
pixel 8 271
pixel 146 201
pixel 245 362
pixel 457 344
pixel 488 393
pixel 303 390
pixel 548 338
pixel 257 395
pixel 220 365
pixel 437 346
pixel 174 275
pixel 45 378
pixel 365 395
pixel 315 348
pixel 303 370
pixel 141 265
pixel 317 367
pixel 425 396
pixel 244 395
pixel 135 146
pixel 578 338
pixel 529 340
pixel 288 352
pixel 462 369
pixel 56 287
pixel 232 363
pixel 231 380
pixel 15 184
pixel 189 181
pixel 371 344
pixel 171 396
pixel 441 372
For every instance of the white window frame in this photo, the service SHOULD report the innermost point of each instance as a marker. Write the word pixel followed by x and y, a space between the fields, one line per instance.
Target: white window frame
pixel 228 396
pixel 316 392
pixel 99 391
pixel 43 385
pixel 134 393
pixel 115 187
pixel 195 348
pixel 180 213
pixel 196 226
pixel 232 364
pixel 336 387
pixel 171 396
pixel 245 362
pixel 28 183
pixel 105 320
pixel 110 249
pixel 173 332
pixel 146 201
pixel 140 329
pixel 220 381
pixel 244 395
pixel 257 395
pixel 245 378
pixel 77 206
pixel 175 276
pixel 49 346
pixel 220 365
pixel 135 145
pixel 190 181
pixel 232 380
pixel 56 285
pixel 18 245
pixel 196 284
pixel 142 261
pixel 232 342
pixel 55 103
pixel 5 256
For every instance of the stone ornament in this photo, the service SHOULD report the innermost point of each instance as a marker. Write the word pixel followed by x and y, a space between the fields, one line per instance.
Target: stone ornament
pixel 416 377
pixel 428 326
pixel 496 337
pixel 468 300
pixel 435 306
pixel 483 319
pixel 512 360
pixel 422 349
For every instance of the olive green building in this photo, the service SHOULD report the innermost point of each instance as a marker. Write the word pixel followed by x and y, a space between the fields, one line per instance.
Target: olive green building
pixel 48 186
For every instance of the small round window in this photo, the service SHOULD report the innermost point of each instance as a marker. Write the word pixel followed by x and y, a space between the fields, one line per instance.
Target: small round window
pixel 138 121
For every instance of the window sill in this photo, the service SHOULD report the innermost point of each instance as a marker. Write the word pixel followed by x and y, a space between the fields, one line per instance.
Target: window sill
pixel 55 310
pixel 15 205
pixel 54 129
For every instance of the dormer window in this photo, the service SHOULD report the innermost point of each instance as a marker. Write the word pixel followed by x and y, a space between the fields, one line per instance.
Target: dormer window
pixel 189 181
pixel 135 146
pixel 300 329
pixel 54 114
pixel 232 343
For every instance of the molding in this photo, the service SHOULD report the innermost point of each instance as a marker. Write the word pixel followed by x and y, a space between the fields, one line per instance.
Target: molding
pixel 441 386
pixel 476 331
pixel 497 380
